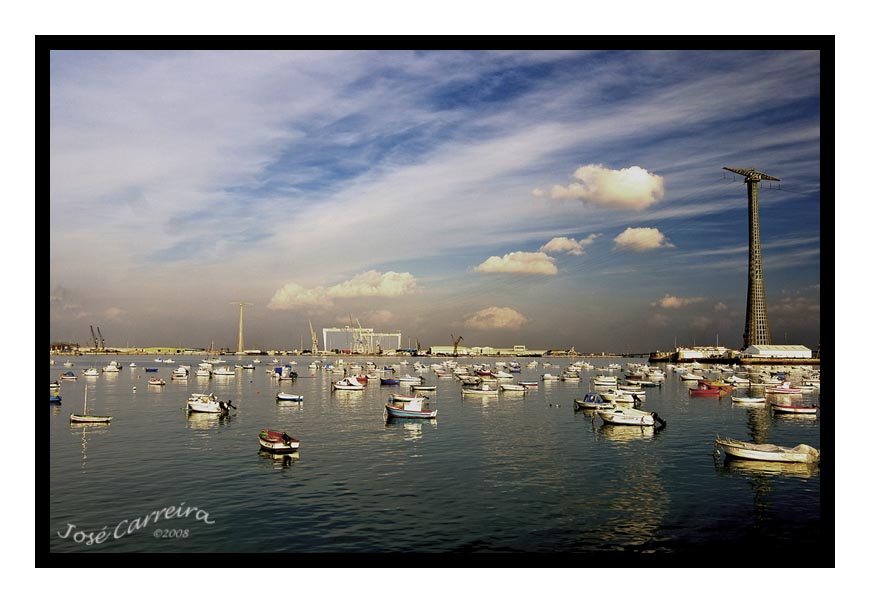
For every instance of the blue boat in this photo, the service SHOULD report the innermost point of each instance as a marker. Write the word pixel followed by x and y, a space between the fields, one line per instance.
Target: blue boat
pixel 389 382
pixel 413 408
pixel 55 399
pixel 151 369
pixel 592 400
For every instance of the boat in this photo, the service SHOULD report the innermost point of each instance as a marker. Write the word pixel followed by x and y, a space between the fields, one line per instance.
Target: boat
pixel 247 366
pixel 749 400
pixel 389 382
pixel 720 385
pixel 785 407
pixel 422 388
pixel 784 388
pixel 283 396
pixel 69 375
pixel 605 380
pixel 348 383
pixel 549 377
pixel 705 391
pixel 68 363
pixel 84 418
pixel 54 386
pixel 528 384
pixel 91 372
pixel 690 377
pixel 54 399
pixel 768 452
pixel 592 400
pixel 483 390
pixel 414 408
pixel 620 396
pixel 628 416
pixel 277 442
pixel 203 372
pixel 156 381
pixel 180 373
pixel 512 388
pixel 208 403
pixel 112 367
pixel 150 369
pixel 224 371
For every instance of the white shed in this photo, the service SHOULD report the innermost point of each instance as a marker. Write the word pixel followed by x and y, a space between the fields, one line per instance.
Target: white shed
pixel 778 352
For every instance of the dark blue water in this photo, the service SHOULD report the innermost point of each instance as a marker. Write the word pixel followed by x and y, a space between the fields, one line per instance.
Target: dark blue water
pixel 508 473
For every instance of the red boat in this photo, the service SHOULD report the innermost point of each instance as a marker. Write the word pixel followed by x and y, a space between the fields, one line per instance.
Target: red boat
pixel 277 442
pixel 706 392
pixel 727 388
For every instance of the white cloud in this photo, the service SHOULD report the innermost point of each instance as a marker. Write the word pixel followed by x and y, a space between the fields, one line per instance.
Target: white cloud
pixel 641 239
pixel 531 263
pixel 669 301
pixel 368 284
pixel 496 317
pixel 629 188
pixel 567 245
pixel 720 307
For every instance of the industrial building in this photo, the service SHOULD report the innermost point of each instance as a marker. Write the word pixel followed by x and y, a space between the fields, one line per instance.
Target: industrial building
pixel 770 351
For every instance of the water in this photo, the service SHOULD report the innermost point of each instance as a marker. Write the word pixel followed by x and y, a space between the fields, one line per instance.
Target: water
pixel 508 473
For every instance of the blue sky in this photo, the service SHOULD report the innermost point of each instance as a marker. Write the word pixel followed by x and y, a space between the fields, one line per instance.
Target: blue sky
pixel 545 198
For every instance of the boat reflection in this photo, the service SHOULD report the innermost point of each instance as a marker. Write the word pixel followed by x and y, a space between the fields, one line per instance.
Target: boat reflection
pixel 207 421
pixel 411 429
pixel 279 460
pixel 748 467
pixel 625 433
pixel 88 430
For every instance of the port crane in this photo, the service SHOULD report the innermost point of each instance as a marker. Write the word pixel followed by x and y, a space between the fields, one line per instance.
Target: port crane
pixel 314 338
pixel 456 342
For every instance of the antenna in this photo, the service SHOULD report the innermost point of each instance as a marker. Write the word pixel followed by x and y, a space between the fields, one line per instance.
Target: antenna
pixel 240 347
pixel 756 330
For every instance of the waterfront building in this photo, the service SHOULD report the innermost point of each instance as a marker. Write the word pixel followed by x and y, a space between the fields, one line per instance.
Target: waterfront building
pixel 778 352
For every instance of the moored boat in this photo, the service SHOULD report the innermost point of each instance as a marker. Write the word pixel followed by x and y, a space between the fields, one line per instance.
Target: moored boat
pixel 512 388
pixel 749 400
pixel 84 418
pixel 787 407
pixel 483 390
pixel 768 452
pixel 69 375
pixel 348 383
pixel 629 416
pixel 284 396
pixel 156 381
pixel 592 400
pixel 208 403
pixel 277 442
pixel 414 408
pixel 705 391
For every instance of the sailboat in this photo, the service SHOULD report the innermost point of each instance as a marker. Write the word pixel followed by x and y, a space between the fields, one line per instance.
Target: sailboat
pixel 89 419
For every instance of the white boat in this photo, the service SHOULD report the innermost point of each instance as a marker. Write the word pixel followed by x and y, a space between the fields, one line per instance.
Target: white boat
pixel 622 397
pixel 84 418
pixel 348 383
pixel 180 373
pixel 91 372
pixel 512 387
pixel 112 367
pixel 691 377
pixel 549 377
pixel 203 372
pixel 768 452
pixel 284 396
pixel 155 381
pixel 208 403
pixel 605 380
pixel 787 407
pixel 483 390
pixel 628 416
pixel 749 400
pixel 224 372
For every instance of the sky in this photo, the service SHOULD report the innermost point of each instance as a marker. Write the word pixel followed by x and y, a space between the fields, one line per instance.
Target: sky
pixel 551 199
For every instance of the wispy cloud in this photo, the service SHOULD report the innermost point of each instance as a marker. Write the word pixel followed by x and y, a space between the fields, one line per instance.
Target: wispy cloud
pixel 672 302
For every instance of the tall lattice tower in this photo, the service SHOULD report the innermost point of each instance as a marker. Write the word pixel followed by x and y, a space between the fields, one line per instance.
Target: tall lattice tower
pixel 756 326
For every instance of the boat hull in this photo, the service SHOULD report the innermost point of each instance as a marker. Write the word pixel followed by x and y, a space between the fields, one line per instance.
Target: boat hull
pixel 793 409
pixel 754 452
pixel 397 411
pixel 275 444
pixel 89 419
pixel 625 419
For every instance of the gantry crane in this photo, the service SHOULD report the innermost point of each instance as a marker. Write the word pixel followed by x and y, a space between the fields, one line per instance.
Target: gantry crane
pixel 456 343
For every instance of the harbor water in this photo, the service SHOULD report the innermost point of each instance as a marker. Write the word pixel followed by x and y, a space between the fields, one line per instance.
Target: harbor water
pixel 511 472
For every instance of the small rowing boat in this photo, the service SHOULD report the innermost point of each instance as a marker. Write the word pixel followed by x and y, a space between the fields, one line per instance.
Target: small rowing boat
pixel 277 442
pixel 768 452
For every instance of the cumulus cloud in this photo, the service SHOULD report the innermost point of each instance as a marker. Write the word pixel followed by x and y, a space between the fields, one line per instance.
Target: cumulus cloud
pixel 532 263
pixel 795 305
pixel 368 284
pixel 496 317
pixel 720 307
pixel 641 239
pixel 669 301
pixel 568 245
pixel 115 314
pixel 379 317
pixel 628 189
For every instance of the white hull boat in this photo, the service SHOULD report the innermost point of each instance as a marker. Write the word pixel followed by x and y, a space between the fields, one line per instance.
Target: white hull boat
pixel 768 452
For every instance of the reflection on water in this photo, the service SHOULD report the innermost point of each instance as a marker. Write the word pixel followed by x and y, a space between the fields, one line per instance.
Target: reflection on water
pixel 207 421
pixel 625 433
pixel 746 467
pixel 411 429
pixel 88 431
pixel 279 460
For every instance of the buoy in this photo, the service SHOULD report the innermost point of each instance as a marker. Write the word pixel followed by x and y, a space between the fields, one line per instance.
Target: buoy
pixel 134 388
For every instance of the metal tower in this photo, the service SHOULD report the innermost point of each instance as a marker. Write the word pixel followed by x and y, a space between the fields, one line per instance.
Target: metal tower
pixel 240 346
pixel 756 327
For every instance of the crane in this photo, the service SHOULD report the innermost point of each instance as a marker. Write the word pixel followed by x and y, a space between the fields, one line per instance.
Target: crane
pixel 94 337
pixel 314 338
pixel 364 347
pixel 456 342
pixel 102 341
